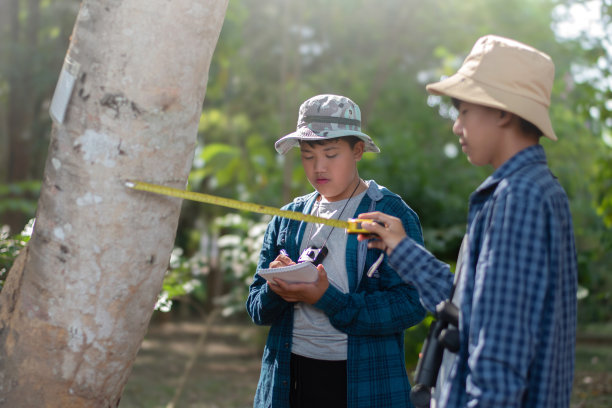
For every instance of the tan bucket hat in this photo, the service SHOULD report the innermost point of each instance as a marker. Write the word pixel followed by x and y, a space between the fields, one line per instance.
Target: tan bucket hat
pixel 504 74
pixel 326 117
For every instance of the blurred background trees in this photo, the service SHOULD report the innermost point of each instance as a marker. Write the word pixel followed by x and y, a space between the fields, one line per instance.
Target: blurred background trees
pixel 275 54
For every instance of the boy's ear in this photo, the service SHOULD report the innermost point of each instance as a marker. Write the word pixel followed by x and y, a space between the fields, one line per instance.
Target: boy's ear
pixel 358 150
pixel 505 118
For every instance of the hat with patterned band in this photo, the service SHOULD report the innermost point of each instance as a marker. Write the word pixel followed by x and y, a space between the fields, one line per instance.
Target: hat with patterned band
pixel 326 117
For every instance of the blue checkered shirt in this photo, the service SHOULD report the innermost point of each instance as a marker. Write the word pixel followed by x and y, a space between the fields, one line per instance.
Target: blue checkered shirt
pixel 518 291
pixel 374 314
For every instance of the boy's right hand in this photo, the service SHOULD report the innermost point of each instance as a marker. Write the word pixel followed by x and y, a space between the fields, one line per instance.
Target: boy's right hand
pixel 302 292
pixel 281 260
pixel 388 235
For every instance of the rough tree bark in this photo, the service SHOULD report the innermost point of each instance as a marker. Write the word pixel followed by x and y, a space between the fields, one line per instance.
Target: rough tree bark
pixel 78 301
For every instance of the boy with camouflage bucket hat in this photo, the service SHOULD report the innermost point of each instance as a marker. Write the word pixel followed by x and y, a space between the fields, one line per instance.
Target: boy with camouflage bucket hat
pixel 325 117
pixel 337 342
pixel 515 285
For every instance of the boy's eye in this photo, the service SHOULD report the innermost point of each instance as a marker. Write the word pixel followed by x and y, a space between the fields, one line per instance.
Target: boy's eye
pixel 331 156
pixel 306 157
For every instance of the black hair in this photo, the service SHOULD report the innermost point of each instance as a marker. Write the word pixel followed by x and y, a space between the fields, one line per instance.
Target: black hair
pixel 526 126
pixel 529 128
pixel 351 140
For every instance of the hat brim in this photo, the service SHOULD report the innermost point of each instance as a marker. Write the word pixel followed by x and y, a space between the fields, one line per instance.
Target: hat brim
pixel 467 89
pixel 285 143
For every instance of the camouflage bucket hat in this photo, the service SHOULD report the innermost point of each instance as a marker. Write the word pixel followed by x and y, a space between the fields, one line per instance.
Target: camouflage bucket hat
pixel 326 117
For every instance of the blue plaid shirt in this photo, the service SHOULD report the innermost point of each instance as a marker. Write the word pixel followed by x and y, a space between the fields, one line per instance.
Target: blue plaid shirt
pixel 518 306
pixel 374 313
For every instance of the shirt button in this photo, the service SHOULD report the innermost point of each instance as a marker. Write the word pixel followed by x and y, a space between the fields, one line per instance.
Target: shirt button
pixel 286 345
pixel 284 382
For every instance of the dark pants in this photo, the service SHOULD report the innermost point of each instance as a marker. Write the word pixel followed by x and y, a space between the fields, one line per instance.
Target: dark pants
pixel 317 383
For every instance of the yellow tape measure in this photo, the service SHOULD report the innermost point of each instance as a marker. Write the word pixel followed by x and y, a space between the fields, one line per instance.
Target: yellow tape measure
pixel 352 226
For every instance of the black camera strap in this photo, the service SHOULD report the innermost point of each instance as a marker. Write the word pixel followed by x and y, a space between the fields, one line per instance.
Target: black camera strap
pixel 322 253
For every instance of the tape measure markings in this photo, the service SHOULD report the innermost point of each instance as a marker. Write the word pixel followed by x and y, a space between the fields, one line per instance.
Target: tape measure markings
pixel 350 226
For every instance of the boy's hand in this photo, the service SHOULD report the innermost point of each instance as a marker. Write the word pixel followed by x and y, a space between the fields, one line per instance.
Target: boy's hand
pixel 301 292
pixel 281 260
pixel 388 236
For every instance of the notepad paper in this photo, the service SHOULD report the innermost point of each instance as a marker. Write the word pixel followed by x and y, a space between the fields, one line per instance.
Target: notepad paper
pixel 304 272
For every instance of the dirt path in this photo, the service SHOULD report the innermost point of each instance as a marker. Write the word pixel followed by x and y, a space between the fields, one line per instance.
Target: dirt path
pixel 226 368
pixel 224 372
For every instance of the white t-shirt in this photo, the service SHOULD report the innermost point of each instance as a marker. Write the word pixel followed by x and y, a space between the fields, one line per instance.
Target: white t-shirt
pixel 313 334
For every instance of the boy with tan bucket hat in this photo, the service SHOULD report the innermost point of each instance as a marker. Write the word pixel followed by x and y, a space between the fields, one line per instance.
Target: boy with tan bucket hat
pixel 516 277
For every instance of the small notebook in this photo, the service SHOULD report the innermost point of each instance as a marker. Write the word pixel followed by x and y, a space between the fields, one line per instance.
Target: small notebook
pixel 303 272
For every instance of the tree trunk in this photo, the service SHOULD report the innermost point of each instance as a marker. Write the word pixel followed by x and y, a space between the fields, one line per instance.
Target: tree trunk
pixel 78 301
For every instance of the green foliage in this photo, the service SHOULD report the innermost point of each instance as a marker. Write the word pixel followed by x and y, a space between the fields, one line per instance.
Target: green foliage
pixel 183 278
pixel 237 243
pixel 271 56
pixel 413 341
pixel 603 188
pixel 19 197
pixel 10 246
pixel 239 248
pixel 32 48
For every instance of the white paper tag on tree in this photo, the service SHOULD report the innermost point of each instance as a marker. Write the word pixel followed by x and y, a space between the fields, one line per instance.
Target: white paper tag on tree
pixel 63 89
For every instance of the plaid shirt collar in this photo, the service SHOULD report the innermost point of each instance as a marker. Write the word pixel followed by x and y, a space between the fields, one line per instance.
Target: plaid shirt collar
pixel 531 155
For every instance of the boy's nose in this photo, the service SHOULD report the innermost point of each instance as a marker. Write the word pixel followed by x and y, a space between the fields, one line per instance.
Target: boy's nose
pixel 457 128
pixel 319 165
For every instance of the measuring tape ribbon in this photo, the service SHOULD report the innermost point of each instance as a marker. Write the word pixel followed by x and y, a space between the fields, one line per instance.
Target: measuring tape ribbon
pixel 352 226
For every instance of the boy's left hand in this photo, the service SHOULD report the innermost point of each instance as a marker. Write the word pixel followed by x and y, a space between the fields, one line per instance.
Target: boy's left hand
pixel 302 292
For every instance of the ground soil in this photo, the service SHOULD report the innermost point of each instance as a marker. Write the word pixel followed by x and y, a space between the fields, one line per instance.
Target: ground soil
pixel 188 363
pixel 174 368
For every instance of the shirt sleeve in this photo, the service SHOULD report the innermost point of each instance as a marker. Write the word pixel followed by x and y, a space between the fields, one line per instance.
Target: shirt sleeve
pixel 383 312
pixel 507 301
pixel 417 266
pixel 263 305
pixel 390 308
